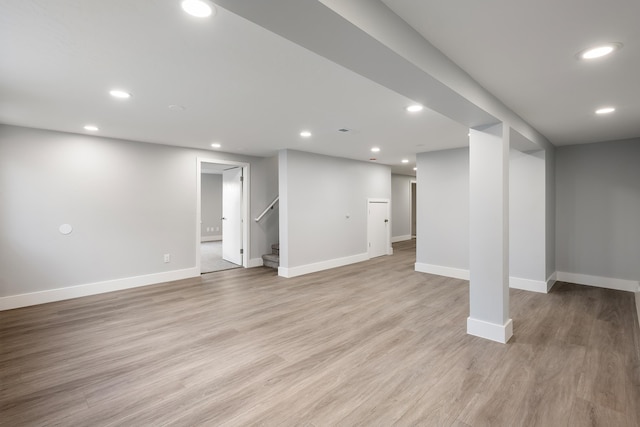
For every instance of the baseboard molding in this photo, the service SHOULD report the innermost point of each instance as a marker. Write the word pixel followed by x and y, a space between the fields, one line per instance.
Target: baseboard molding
pixel 514 282
pixel 400 238
pixel 210 238
pixel 254 262
pixel 439 270
pixel 528 285
pixel 490 331
pixel 60 294
pixel 601 282
pixel 323 265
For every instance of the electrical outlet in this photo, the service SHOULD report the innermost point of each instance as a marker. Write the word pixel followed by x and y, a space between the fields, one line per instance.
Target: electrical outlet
pixel 167 257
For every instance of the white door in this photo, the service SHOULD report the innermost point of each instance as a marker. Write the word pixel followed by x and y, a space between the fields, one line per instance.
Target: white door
pixel 378 227
pixel 232 215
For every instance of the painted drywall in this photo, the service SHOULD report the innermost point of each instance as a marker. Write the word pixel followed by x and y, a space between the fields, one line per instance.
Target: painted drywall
pixel 443 209
pixel 527 233
pixel 598 209
pixel 401 207
pixel 211 207
pixel 443 216
pixel 550 213
pixel 129 203
pixel 323 207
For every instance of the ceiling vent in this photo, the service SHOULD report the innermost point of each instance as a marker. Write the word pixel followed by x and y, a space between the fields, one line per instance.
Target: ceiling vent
pixel 344 130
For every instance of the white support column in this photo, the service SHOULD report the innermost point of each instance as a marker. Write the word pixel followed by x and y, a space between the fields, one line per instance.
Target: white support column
pixel 489 234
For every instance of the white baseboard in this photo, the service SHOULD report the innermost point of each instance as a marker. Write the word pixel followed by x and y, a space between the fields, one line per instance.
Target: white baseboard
pixel 400 238
pixel 210 238
pixel 51 295
pixel 514 282
pixel 254 262
pixel 601 282
pixel 323 265
pixel 440 270
pixel 490 331
pixel 528 285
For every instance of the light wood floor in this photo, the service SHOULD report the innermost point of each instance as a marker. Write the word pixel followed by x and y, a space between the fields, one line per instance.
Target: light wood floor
pixel 372 344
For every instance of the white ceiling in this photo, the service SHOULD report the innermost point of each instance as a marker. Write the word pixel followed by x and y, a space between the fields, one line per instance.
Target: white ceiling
pixel 241 85
pixel 524 52
pixel 254 91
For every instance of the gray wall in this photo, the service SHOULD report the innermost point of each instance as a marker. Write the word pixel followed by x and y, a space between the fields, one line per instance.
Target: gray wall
pixel 443 208
pixel 211 204
pixel 443 212
pixel 129 204
pixel 323 210
pixel 527 232
pixel 598 209
pixel 401 206
pixel 550 200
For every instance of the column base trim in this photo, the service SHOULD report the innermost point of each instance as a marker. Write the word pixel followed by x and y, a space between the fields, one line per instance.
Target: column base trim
pixel 490 331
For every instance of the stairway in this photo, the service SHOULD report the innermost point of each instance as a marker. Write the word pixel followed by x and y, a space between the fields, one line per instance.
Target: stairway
pixel 272 260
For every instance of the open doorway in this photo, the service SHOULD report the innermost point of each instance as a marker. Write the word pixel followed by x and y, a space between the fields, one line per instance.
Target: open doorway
pixel 221 215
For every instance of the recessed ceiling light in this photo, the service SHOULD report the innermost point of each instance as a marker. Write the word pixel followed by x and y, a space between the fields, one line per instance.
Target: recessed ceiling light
pixel 91 128
pixel 375 150
pixel 405 160
pixel 116 93
pixel 305 134
pixel 415 108
pixel 599 51
pixel 415 169
pixel 216 145
pixel 197 8
pixel 605 110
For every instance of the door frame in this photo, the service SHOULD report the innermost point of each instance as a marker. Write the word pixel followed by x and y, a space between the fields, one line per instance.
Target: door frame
pixel 245 205
pixel 411 202
pixel 389 250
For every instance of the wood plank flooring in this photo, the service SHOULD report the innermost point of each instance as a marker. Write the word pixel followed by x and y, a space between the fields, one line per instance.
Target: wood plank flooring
pixel 371 344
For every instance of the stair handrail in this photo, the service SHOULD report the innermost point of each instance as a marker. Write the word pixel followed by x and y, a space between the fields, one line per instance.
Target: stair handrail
pixel 264 212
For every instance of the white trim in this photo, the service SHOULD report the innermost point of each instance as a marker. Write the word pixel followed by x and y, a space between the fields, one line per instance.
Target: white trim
pixel 528 285
pixel 211 238
pixel 551 281
pixel 439 270
pixel 460 273
pixel 246 174
pixel 490 331
pixel 323 265
pixel 400 238
pixel 601 282
pixel 411 201
pixel 255 262
pixel 51 295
